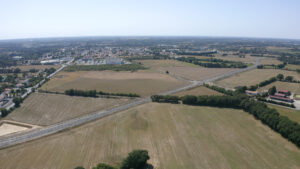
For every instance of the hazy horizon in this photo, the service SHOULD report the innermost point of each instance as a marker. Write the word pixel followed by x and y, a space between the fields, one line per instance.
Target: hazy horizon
pixel 226 19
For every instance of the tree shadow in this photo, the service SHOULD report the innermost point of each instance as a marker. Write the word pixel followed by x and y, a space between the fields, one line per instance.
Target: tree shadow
pixel 149 166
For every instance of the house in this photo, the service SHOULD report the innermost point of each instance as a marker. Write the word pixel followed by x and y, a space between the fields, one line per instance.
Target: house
pixel 280 98
pixel 285 92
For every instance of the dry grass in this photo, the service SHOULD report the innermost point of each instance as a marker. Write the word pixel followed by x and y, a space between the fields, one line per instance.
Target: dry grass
pixel 254 77
pixel 270 61
pixel 199 91
pixel 39 67
pixel 46 109
pixel 141 83
pixel 290 113
pixel 236 58
pixel 177 137
pixel 293 67
pixel 293 87
pixel 196 73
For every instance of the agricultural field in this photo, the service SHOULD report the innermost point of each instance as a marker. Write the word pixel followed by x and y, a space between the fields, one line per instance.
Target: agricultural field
pixel 236 58
pixel 184 70
pixel 290 113
pixel 254 77
pixel 270 61
pixel 293 87
pixel 199 91
pixel 38 67
pixel 45 109
pixel 292 67
pixel 142 83
pixel 176 136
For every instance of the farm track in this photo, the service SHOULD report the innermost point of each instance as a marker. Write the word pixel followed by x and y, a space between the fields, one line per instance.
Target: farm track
pixel 40 132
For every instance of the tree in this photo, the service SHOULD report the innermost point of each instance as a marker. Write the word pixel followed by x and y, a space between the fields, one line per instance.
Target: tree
pixel 17 101
pixel 272 90
pixel 103 166
pixel 4 112
pixel 167 72
pixel 137 159
pixel 289 78
pixel 79 167
pixel 280 77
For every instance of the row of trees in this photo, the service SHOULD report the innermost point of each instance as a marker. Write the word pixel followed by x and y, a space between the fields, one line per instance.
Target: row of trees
pixel 279 77
pixel 137 159
pixel 87 93
pixel 165 99
pixel 93 93
pixel 270 117
pixel 213 63
pixel 124 67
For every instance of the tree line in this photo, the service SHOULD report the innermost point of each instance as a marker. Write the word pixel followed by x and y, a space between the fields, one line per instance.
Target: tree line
pixel 124 67
pixel 94 93
pixel 137 159
pixel 212 62
pixel 281 124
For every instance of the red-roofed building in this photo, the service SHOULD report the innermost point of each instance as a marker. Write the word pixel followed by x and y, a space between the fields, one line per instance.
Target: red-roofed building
pixel 285 92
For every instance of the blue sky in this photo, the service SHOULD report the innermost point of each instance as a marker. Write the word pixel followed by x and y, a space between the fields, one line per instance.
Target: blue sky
pixel 233 18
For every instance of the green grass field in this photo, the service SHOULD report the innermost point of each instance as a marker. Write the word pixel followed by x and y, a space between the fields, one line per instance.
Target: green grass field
pixel 176 136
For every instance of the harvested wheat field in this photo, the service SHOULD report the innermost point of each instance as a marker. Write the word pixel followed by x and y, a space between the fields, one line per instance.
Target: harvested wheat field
pixel 176 136
pixel 199 91
pixel 254 77
pixel 141 83
pixel 184 70
pixel 292 87
pixel 236 58
pixel 38 67
pixel 270 61
pixel 46 109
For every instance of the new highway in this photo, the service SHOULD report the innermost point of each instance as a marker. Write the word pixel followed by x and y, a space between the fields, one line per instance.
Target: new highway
pixel 40 132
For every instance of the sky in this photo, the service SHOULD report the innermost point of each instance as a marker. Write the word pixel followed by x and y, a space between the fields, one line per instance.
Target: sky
pixel 225 18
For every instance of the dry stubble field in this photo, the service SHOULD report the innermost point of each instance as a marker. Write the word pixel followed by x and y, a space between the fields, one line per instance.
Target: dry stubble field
pixel 254 77
pixel 39 67
pixel 142 83
pixel 177 137
pixel 184 70
pixel 46 109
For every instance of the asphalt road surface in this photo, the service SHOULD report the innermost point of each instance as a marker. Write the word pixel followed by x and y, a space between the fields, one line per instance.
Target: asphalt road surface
pixel 40 132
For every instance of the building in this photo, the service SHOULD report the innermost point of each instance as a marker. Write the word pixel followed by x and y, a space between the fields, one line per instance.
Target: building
pixel 252 93
pixel 280 98
pixel 284 92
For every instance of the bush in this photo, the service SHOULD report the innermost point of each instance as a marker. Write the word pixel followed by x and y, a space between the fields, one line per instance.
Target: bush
pixel 4 112
pixel 137 159
pixel 103 166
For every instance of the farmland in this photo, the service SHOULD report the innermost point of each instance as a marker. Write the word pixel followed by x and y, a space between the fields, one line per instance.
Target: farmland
pixel 142 83
pixel 46 109
pixel 290 113
pixel 198 91
pixel 254 77
pixel 38 67
pixel 270 61
pixel 293 87
pixel 292 67
pixel 177 136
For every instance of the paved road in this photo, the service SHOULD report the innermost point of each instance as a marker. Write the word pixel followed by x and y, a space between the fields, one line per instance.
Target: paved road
pixel 40 132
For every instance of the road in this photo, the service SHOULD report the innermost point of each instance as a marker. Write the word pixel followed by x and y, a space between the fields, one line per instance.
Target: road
pixel 40 132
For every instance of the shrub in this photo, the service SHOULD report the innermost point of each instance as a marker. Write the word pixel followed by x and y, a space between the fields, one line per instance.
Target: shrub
pixel 137 159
